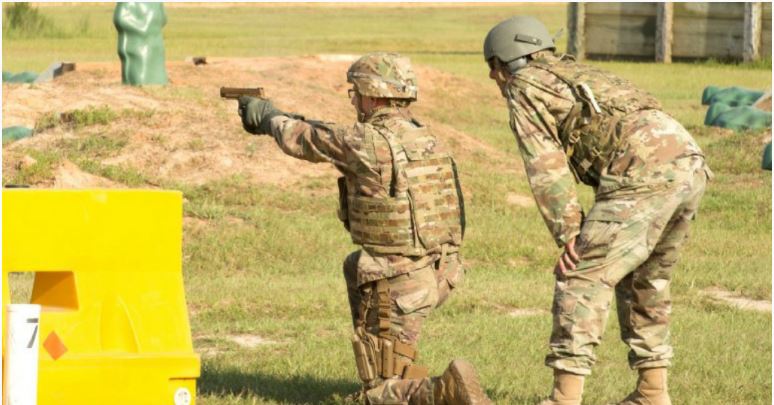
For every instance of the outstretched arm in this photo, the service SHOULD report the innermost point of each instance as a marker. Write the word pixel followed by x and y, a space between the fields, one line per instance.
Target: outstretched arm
pixel 309 140
pixel 313 141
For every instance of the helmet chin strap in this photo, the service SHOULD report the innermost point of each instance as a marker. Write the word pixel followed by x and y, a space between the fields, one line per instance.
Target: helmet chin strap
pixel 501 76
pixel 361 115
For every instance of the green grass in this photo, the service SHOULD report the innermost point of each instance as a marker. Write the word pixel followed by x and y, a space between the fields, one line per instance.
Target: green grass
pixel 40 170
pixel 265 260
pixel 271 30
pixel 118 173
pixel 92 144
pixel 76 119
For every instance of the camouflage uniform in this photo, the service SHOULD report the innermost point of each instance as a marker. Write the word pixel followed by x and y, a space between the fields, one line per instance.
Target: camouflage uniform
pixel 577 123
pixel 409 261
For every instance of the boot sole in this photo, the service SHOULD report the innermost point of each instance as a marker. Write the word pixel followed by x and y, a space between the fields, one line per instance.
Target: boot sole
pixel 465 375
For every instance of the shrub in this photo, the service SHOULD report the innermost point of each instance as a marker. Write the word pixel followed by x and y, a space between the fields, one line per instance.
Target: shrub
pixel 23 20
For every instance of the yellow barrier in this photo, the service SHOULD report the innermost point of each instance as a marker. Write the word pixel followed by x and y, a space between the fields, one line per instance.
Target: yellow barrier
pixel 108 275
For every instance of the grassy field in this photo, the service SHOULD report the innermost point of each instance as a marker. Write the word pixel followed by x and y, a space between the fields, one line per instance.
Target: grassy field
pixel 265 261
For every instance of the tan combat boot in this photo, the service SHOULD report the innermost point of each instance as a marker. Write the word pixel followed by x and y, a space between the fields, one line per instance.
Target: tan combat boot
pixel 459 386
pixel 568 389
pixel 651 388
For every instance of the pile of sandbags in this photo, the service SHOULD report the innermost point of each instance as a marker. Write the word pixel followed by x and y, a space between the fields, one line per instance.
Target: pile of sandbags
pixel 55 70
pixel 737 108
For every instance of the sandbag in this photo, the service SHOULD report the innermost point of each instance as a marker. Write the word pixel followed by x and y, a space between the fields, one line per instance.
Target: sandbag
pixel 23 77
pixel 15 133
pixel 766 161
pixel 732 96
pixel 737 118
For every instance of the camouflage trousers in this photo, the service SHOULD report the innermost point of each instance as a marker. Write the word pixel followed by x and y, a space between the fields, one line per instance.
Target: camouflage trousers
pixel 628 246
pixel 412 297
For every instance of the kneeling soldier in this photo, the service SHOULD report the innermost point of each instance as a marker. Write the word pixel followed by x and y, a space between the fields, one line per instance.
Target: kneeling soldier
pixel 401 201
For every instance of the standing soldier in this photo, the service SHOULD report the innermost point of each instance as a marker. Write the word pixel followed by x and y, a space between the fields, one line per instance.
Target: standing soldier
pixel 401 201
pixel 575 123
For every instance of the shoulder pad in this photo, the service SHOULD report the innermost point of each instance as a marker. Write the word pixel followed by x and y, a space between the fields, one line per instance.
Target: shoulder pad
pixel 534 76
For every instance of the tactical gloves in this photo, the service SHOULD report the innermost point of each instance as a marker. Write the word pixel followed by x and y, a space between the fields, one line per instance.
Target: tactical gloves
pixel 257 114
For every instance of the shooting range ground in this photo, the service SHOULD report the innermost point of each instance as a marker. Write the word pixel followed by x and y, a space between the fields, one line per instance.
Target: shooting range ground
pixel 262 247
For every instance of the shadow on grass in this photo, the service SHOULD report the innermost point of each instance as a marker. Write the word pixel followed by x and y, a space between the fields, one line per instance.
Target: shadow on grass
pixel 291 389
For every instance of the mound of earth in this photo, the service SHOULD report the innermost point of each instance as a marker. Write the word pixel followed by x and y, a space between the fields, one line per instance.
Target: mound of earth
pixel 186 133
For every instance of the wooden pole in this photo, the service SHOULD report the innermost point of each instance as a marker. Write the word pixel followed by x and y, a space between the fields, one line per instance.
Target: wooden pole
pixel 752 31
pixel 576 16
pixel 664 13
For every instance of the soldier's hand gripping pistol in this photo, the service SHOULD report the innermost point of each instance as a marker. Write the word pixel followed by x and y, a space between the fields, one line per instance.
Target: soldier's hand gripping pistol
pixel 255 110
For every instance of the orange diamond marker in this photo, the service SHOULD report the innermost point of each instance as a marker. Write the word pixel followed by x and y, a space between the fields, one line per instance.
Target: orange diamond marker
pixel 54 346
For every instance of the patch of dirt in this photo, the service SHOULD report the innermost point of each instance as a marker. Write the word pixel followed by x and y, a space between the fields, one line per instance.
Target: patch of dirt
pixel 519 312
pixel 192 136
pixel 764 102
pixel 235 220
pixel 207 345
pixel 520 200
pixel 26 161
pixel 518 262
pixel 522 312
pixel 766 136
pixel 737 300
pixel 68 175
pixel 207 352
pixel 250 341
pixel 194 222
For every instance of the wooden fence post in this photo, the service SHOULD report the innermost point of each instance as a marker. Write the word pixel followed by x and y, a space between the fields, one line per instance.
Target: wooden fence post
pixel 752 31
pixel 576 27
pixel 664 13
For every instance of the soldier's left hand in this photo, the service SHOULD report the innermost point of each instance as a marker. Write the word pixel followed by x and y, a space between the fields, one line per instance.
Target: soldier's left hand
pixel 256 114
pixel 567 260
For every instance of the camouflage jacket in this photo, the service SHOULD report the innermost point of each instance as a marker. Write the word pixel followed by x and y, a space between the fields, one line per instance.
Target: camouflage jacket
pixel 539 103
pixel 367 170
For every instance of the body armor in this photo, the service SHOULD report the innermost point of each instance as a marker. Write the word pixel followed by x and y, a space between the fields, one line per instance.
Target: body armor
pixel 591 132
pixel 424 209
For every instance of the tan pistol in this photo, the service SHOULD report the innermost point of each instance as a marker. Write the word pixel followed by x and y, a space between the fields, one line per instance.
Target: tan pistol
pixel 233 93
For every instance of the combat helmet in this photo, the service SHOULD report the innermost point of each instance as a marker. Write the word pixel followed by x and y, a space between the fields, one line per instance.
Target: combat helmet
pixel 515 38
pixel 384 75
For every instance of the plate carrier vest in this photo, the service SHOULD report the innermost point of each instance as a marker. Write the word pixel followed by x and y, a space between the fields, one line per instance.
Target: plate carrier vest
pixel 591 132
pixel 424 210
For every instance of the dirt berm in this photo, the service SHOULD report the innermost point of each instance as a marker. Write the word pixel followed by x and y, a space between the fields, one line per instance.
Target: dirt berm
pixel 185 132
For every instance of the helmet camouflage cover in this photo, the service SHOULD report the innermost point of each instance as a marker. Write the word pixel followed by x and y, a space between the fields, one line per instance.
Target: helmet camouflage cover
pixel 384 75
